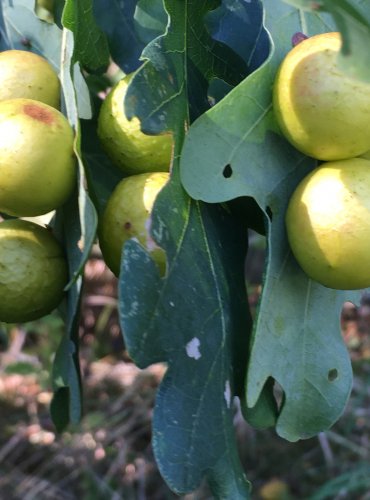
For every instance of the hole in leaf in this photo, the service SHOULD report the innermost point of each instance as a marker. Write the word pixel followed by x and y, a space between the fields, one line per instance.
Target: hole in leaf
pixel 228 171
pixel 269 213
pixel 217 90
pixel 349 313
pixel 26 42
pixel 254 266
pixel 332 374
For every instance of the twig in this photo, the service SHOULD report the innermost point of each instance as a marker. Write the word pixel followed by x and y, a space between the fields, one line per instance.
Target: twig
pixel 342 441
pixel 10 445
pixel 117 463
pixel 326 449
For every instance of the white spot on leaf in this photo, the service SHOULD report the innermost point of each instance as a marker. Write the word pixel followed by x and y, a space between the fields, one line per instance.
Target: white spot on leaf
pixel 150 243
pixel 134 309
pixel 158 232
pixel 192 348
pixel 227 393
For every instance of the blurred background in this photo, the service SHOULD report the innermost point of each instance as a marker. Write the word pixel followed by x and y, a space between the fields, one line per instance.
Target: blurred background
pixel 109 455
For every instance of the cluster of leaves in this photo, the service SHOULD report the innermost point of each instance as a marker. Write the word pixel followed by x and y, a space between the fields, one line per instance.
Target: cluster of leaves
pixel 205 72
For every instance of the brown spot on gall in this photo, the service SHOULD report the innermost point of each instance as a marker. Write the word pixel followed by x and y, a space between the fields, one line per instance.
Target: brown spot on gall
pixel 297 38
pixel 39 113
pixel 127 225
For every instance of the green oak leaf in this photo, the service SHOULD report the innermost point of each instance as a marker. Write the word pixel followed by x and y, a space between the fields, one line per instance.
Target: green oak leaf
pixel 76 224
pixel 196 318
pixel 158 92
pixel 235 150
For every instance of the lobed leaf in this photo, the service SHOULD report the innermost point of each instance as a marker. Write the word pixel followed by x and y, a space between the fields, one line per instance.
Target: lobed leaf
pixel 179 66
pixel 196 317
pixel 296 339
